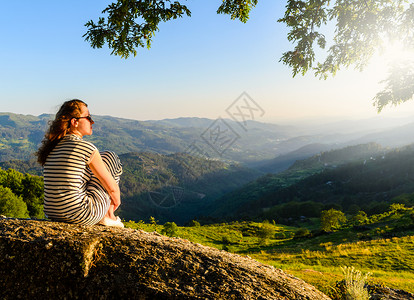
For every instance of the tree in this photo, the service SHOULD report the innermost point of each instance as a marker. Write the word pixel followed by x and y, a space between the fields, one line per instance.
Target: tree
pixel 395 207
pixel 359 218
pixel 265 231
pixel 32 194
pixel 362 28
pixel 331 219
pixel 26 186
pixel 170 229
pixel 13 180
pixel 153 222
pixel 12 205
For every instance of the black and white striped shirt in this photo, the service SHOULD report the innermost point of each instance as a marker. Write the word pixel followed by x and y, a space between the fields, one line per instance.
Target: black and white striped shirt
pixel 66 176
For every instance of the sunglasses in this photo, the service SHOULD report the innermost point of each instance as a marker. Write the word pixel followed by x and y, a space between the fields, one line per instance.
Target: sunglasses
pixel 89 118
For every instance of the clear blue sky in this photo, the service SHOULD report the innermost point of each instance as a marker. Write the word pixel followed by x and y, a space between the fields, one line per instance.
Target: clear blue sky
pixel 196 67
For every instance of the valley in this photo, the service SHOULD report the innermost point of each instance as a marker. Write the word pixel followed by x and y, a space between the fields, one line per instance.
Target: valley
pixel 261 195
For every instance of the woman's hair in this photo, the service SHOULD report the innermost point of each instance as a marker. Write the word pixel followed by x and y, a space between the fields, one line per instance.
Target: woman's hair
pixel 59 127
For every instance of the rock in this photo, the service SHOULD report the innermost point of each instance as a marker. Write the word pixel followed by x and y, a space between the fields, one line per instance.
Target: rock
pixel 51 260
pixel 379 292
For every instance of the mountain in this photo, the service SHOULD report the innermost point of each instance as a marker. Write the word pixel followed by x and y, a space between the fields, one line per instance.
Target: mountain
pixel 284 161
pixel 24 166
pixel 308 145
pixel 394 137
pixel 248 201
pixel 223 139
pixel 176 187
pixel 179 169
pixel 369 184
pixel 20 135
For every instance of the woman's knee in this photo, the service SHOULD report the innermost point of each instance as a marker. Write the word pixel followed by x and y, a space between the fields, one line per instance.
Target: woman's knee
pixel 112 162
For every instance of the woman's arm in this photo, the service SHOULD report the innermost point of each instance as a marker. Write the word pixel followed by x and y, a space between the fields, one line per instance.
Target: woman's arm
pixel 101 172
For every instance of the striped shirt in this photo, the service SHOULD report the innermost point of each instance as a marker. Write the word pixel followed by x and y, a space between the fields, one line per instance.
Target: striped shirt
pixel 66 177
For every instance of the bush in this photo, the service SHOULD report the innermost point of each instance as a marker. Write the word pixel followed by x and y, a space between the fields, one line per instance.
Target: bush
pixel 265 230
pixel 28 187
pixel 360 218
pixel 170 229
pixel 331 219
pixel 12 205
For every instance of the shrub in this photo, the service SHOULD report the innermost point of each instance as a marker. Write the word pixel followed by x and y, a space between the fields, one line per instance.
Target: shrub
pixel 395 207
pixel 265 231
pixel 12 205
pixel 170 229
pixel 331 219
pixel 359 218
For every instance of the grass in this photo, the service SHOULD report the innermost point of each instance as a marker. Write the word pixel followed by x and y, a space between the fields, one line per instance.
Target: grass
pixel 318 259
pixel 390 262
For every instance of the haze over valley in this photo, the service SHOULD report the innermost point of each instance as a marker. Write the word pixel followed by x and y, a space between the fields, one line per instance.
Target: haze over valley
pixel 205 160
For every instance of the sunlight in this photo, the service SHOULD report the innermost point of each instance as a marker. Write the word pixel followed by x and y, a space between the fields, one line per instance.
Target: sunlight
pixel 396 52
pixel 391 54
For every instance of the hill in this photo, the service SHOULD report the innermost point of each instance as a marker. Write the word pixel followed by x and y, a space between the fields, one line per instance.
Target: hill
pixel 245 201
pixel 284 161
pixel 21 135
pixel 180 187
pixel 380 244
pixel 176 187
pixel 221 138
pixel 369 185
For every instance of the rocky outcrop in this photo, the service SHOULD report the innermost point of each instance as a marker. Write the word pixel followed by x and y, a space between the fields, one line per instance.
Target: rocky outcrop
pixel 50 260
pixel 380 292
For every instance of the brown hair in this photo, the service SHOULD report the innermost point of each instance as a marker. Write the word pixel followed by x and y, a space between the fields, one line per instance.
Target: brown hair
pixel 59 127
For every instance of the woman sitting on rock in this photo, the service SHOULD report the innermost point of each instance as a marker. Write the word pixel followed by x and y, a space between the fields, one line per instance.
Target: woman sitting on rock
pixel 80 184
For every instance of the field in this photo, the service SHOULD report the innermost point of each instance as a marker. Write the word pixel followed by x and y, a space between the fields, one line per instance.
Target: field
pixel 384 248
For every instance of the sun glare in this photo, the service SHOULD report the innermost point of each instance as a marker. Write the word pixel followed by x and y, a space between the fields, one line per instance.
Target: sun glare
pixel 393 54
pixel 396 52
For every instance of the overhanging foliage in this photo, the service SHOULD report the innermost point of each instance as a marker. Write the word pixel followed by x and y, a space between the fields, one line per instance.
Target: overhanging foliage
pixel 362 28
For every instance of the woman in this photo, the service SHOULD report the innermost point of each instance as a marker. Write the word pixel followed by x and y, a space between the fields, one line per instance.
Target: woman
pixel 81 184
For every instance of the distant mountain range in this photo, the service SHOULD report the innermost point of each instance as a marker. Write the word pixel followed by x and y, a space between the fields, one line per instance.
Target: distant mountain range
pixel 186 168
pixel 268 147
pixel 223 139
pixel 364 177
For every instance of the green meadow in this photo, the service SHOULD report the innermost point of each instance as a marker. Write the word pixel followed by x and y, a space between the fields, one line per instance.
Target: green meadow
pixel 383 247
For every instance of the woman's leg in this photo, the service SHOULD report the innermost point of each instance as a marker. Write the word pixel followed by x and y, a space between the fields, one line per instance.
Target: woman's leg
pixel 110 213
pixel 104 206
pixel 113 164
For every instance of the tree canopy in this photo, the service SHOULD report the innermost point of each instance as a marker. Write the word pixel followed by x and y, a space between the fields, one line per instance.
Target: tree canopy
pixel 362 28
pixel 331 219
pixel 21 195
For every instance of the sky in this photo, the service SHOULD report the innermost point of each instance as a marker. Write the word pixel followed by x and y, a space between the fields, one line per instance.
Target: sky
pixel 198 66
